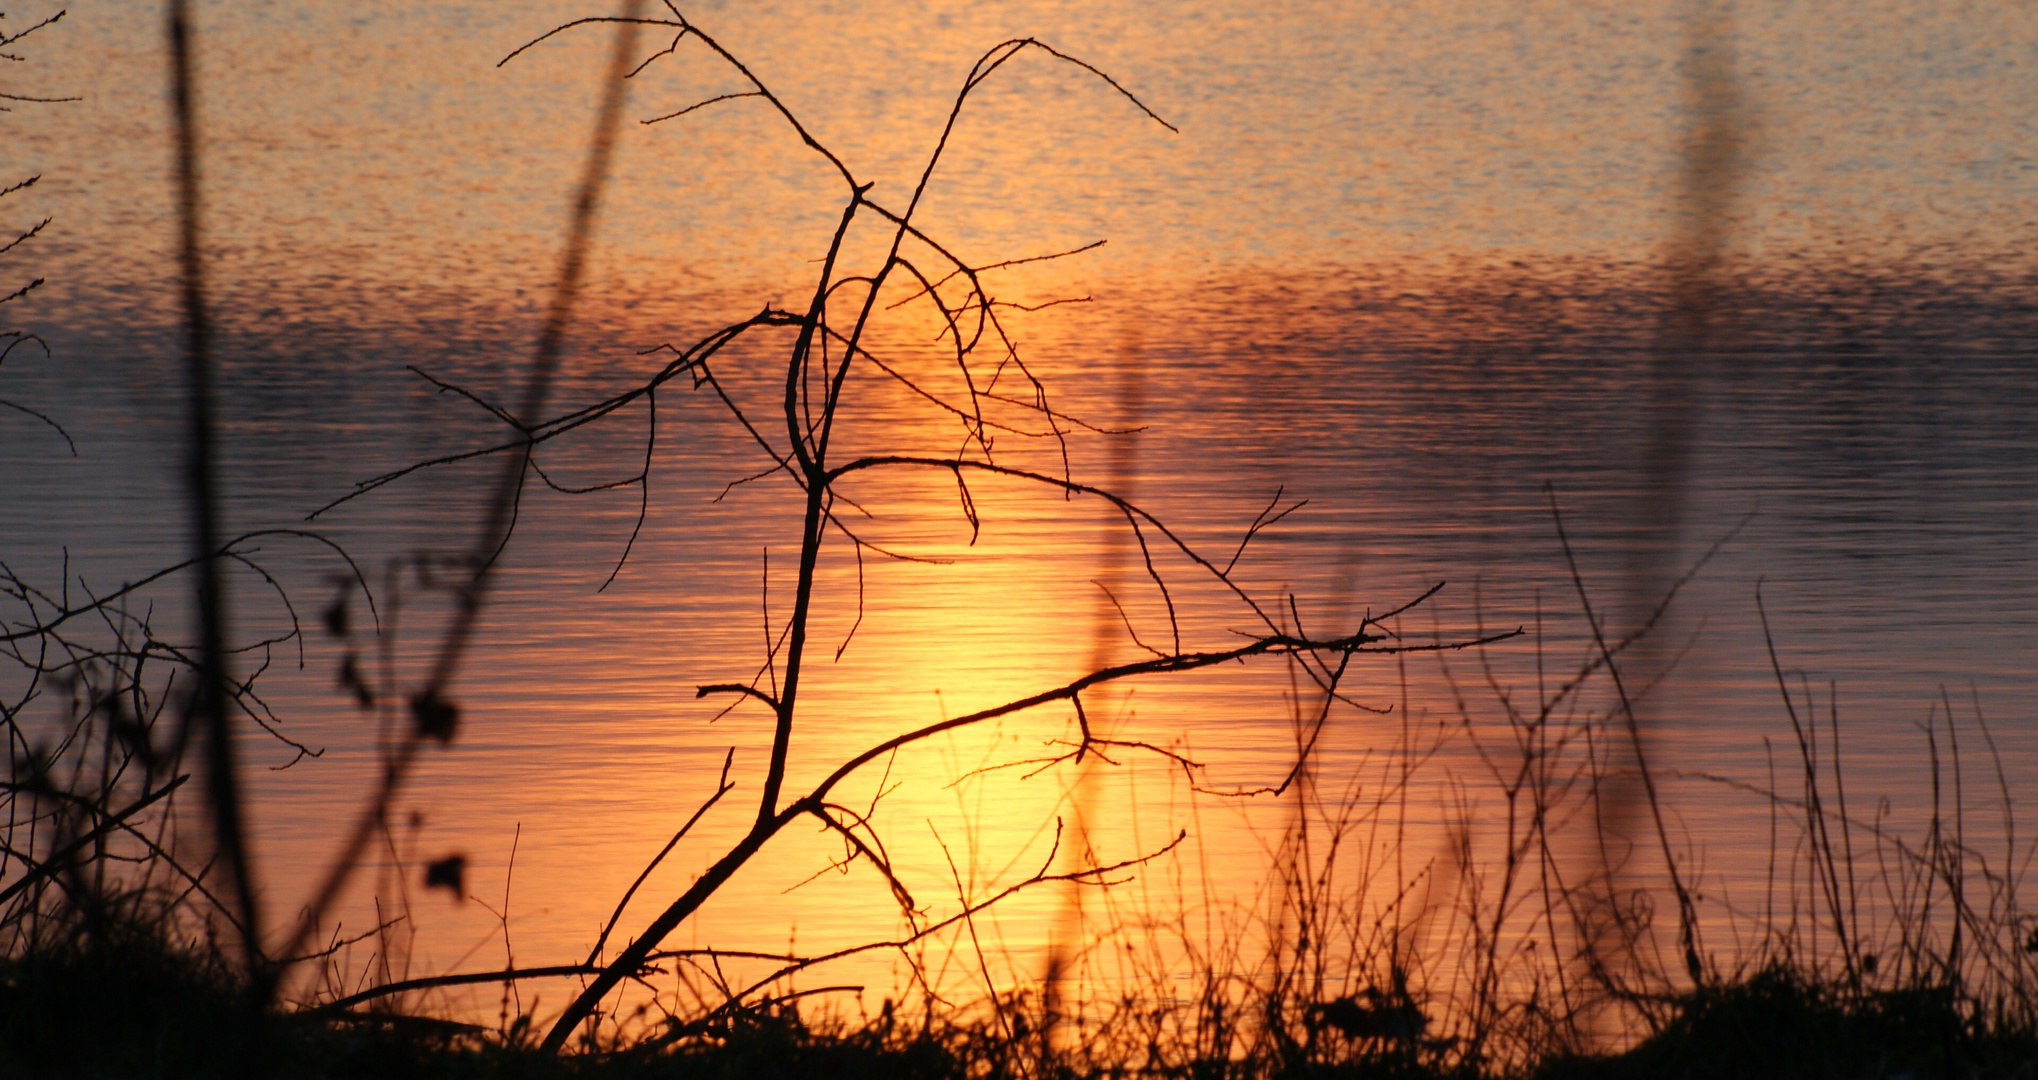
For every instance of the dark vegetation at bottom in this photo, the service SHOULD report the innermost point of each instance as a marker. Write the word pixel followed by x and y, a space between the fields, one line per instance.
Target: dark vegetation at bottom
pixel 1781 1024
pixel 127 1005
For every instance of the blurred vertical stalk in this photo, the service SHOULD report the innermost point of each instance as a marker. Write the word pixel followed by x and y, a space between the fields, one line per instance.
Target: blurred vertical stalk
pixel 1709 179
pixel 208 705
pixel 1692 330
pixel 1113 559
pixel 435 716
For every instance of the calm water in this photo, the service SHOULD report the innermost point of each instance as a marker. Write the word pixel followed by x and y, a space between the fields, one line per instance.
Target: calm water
pixel 1400 261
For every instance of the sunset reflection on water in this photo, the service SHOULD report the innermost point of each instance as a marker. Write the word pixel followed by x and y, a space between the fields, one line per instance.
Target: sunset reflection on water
pixel 1400 263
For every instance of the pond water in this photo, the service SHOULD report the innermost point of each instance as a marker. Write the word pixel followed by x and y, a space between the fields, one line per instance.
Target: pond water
pixel 1404 261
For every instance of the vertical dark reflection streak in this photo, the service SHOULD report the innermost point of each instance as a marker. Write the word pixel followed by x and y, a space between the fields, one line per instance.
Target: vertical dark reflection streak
pixel 1114 557
pixel 1708 181
pixel 1693 329
pixel 208 712
pixel 434 715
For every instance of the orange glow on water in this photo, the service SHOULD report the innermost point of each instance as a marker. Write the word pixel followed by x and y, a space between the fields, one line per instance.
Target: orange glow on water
pixel 1398 262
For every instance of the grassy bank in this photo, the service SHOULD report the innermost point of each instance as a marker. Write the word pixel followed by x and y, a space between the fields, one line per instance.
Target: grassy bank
pixel 126 1007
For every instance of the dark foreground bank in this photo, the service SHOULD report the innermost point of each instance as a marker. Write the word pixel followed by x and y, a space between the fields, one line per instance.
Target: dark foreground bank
pixel 134 1009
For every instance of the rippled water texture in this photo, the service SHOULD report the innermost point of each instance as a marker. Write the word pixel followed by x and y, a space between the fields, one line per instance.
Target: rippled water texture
pixel 1405 261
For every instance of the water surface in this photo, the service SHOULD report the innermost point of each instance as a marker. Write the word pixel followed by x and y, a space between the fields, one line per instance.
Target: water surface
pixel 1403 261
